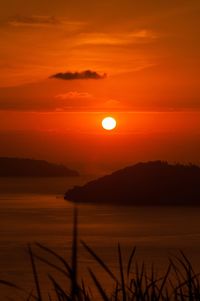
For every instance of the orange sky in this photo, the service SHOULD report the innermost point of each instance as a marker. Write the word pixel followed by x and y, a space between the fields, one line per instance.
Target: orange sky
pixel 150 52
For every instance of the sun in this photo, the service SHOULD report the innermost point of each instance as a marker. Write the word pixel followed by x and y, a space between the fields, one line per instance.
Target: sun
pixel 109 123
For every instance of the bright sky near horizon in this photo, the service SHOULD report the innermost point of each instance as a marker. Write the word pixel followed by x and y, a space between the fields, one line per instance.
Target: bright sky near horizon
pixel 143 68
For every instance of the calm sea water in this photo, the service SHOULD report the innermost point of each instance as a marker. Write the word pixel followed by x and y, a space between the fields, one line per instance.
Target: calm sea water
pixel 36 212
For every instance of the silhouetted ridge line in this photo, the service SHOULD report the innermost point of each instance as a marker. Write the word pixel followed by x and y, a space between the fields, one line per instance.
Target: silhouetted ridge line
pixel 150 183
pixel 20 167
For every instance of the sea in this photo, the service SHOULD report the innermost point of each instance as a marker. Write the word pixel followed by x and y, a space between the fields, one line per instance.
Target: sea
pixel 34 211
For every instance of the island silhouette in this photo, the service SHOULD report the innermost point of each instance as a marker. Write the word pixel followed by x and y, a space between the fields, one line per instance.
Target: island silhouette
pixel 143 184
pixel 22 167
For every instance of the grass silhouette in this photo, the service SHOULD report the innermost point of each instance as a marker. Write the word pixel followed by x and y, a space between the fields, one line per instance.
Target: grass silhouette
pixel 180 282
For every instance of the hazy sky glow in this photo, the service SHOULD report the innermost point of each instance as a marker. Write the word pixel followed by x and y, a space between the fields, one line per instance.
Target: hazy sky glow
pixel 66 64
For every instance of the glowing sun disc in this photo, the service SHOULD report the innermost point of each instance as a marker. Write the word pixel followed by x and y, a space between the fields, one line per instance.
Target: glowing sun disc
pixel 109 123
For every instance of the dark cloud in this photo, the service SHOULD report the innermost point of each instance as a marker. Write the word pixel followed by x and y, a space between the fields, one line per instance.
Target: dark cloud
pixel 87 74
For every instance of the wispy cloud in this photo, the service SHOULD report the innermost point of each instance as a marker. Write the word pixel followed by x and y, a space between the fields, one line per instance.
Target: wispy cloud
pixel 87 74
pixel 125 38
pixel 112 104
pixel 85 101
pixel 43 21
pixel 74 95
pixel 74 100
pixel 33 20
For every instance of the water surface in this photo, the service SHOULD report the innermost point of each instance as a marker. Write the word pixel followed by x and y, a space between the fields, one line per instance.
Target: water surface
pixel 45 217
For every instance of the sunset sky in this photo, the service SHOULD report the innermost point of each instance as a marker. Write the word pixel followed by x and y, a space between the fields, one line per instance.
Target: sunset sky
pixel 67 64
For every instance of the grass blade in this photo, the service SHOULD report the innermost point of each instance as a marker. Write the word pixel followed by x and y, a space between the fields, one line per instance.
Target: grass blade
pixel 52 265
pixel 10 284
pixel 74 287
pixel 48 250
pixel 130 261
pixel 121 273
pixel 99 260
pixel 35 274
pixel 99 287
pixel 164 281
pixel 59 290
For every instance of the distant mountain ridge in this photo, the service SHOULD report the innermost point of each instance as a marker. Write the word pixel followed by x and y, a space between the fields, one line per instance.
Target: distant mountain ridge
pixel 150 183
pixel 22 167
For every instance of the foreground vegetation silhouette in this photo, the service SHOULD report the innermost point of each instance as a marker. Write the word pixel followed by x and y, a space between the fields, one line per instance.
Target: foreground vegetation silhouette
pixel 180 282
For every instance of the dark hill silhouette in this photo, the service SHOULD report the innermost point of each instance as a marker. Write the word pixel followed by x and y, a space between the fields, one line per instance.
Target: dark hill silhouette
pixel 151 183
pixel 19 167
